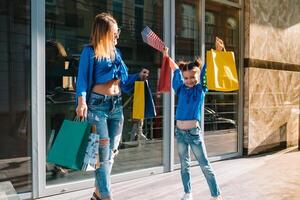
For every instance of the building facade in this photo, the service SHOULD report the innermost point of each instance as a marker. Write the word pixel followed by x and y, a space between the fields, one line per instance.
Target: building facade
pixel 272 75
pixel 41 42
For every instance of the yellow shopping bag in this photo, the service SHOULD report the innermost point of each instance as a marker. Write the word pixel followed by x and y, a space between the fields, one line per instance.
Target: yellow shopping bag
pixel 138 100
pixel 221 71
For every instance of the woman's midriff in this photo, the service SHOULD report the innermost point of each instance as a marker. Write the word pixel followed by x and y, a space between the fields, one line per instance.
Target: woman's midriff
pixel 187 124
pixel 109 88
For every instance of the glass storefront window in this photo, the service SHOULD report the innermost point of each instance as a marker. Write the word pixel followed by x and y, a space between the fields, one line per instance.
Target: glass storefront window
pixel 187 27
pixel 15 100
pixel 68 26
pixel 187 40
pixel 220 110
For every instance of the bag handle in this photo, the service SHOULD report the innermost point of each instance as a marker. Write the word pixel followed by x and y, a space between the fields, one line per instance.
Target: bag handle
pixel 79 119
pixel 215 50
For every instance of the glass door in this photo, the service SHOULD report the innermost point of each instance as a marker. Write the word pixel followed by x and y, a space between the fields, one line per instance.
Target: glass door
pixel 193 23
pixel 221 108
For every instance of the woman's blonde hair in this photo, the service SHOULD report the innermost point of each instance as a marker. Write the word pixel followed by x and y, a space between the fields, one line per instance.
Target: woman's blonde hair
pixel 102 36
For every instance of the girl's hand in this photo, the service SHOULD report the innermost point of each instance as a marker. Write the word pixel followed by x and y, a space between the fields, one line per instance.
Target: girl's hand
pixel 144 73
pixel 173 65
pixel 219 44
pixel 166 51
pixel 81 110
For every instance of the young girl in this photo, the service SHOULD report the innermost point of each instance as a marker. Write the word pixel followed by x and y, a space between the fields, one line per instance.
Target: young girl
pixel 189 86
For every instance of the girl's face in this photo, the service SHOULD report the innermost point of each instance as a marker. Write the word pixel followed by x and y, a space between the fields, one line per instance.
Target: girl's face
pixel 191 77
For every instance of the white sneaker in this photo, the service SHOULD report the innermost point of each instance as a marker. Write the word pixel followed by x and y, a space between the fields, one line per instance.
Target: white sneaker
pixel 143 137
pixel 217 198
pixel 187 196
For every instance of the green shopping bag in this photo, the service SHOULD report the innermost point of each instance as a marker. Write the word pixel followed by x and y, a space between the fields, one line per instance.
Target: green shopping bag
pixel 70 144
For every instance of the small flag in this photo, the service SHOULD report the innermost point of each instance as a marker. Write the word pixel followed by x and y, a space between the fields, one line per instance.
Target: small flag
pixel 152 39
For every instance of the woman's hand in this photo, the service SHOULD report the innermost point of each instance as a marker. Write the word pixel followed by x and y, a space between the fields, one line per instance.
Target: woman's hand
pixel 219 44
pixel 82 108
pixel 166 51
pixel 144 73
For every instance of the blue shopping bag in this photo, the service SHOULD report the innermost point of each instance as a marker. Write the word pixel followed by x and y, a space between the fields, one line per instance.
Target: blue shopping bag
pixel 150 111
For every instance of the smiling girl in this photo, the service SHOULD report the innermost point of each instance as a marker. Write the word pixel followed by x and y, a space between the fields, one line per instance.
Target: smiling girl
pixel 190 88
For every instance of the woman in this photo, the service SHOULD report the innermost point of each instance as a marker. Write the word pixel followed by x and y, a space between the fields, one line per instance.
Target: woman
pixel 102 76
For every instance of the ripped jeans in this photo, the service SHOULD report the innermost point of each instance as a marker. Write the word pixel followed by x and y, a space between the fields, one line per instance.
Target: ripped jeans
pixel 193 139
pixel 106 112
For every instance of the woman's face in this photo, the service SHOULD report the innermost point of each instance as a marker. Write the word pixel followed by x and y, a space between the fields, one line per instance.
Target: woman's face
pixel 116 33
pixel 191 77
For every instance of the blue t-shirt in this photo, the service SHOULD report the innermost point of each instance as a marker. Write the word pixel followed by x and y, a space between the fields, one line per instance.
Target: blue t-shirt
pixel 190 100
pixel 92 71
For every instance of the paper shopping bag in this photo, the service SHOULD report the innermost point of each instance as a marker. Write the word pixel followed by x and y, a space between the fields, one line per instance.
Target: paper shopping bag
pixel 138 100
pixel 91 161
pixel 70 144
pixel 164 82
pixel 221 71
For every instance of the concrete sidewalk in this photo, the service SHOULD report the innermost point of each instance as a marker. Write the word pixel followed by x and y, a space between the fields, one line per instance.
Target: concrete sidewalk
pixel 274 176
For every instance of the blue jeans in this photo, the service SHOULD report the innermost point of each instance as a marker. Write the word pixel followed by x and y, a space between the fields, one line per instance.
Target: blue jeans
pixel 106 112
pixel 193 139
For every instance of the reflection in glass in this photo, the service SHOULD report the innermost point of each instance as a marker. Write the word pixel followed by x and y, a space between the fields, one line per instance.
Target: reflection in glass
pixel 68 26
pixel 220 111
pixel 15 101
pixel 187 40
pixel 141 145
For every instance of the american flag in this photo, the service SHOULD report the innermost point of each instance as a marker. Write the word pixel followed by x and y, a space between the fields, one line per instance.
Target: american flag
pixel 152 39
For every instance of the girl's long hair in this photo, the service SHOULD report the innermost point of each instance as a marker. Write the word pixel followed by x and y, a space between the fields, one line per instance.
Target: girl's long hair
pixel 102 36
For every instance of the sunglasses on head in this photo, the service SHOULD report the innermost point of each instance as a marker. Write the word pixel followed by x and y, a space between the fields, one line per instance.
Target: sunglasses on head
pixel 117 34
